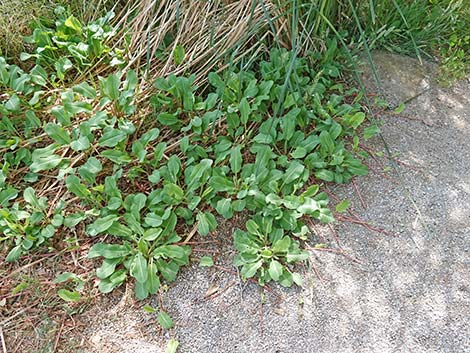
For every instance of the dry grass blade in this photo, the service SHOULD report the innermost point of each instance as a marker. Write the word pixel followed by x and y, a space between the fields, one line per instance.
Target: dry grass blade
pixel 4 347
pixel 209 31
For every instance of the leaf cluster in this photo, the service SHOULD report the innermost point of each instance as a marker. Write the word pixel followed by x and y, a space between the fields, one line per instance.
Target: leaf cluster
pixel 90 158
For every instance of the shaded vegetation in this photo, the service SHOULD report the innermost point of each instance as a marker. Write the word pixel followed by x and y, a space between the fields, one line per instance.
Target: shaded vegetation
pixel 126 132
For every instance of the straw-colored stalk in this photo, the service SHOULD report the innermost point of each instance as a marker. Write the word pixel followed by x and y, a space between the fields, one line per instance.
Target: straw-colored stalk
pixel 213 34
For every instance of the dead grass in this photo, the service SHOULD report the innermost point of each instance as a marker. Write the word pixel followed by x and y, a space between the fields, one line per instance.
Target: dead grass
pixel 33 318
pixel 213 34
pixel 15 17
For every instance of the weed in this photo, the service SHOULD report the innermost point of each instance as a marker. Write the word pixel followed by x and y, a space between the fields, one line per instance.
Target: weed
pixel 245 144
pixel 192 122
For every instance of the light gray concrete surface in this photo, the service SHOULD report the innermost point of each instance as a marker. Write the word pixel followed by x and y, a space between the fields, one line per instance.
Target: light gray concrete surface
pixel 410 293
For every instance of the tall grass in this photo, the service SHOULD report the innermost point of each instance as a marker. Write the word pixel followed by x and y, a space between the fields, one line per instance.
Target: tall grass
pixel 219 33
pixel 213 34
pixel 208 34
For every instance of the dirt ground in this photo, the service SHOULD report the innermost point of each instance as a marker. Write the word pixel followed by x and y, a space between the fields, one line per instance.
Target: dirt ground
pixel 402 290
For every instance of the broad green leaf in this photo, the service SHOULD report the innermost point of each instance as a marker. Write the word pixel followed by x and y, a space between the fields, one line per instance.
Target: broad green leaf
pixel 174 167
pixel 101 224
pixel 357 119
pixel 224 208
pixel 80 144
pixel 299 152
pixel 293 172
pixel 165 320
pixel 238 205
pixel 206 222
pixel 6 195
pixel 112 137
pixel 236 159
pixel 149 136
pixel 14 254
pixel 250 269
pixel 73 219
pixel 245 110
pixel 286 280
pixel 297 257
pixel 172 346
pixel 32 121
pixel 325 174
pixel 107 268
pixel 153 282
pixel 149 309
pixel 326 142
pixel 159 151
pixel 85 90
pixel 30 197
pixel 252 227
pixel 108 251
pixel 371 131
pixel 275 270
pixel 62 65
pixel 206 261
pixel 154 178
pixel 139 268
pixel 38 75
pixel 141 291
pixel 73 23
pixel 90 169
pixel 174 192
pixel 115 280
pixel 311 190
pixel 64 277
pixel 44 159
pixel 13 104
pixel 170 251
pixel 110 86
pixel 197 172
pixel 309 206
pixel 169 270
pixel 167 119
pixel 400 108
pixel 282 245
pixel 220 183
pixel 119 230
pixel 78 189
pixel 36 97
pixel 326 216
pixel 178 54
pixel 335 130
pixel 297 279
pixel 116 156
pixel 343 205
pixel 69 296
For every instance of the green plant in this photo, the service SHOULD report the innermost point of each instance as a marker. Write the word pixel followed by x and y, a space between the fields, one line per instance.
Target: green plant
pixel 258 140
pixel 455 64
pixel 235 148
pixel 264 249
pixel 14 22
pixel 70 46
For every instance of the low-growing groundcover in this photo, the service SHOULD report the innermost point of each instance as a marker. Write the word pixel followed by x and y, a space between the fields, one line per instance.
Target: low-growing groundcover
pixel 89 158
pixel 105 155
